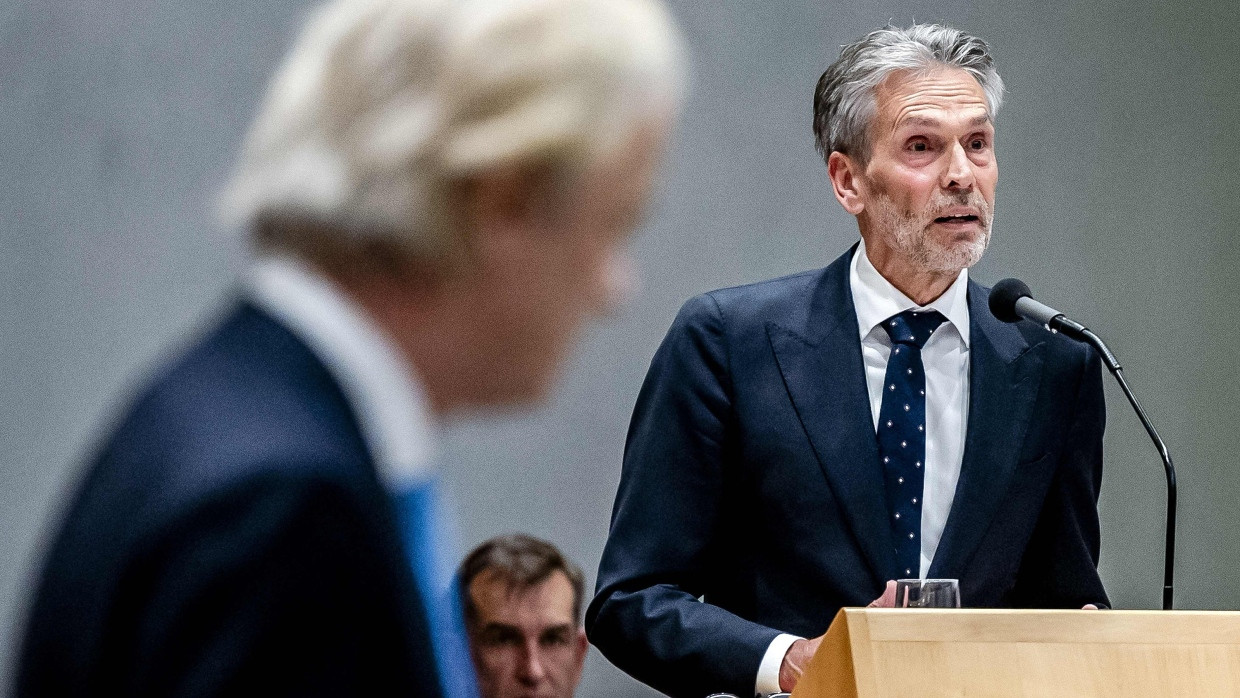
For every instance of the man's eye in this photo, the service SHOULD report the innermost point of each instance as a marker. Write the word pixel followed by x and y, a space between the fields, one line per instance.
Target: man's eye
pixel 501 640
pixel 919 147
pixel 978 144
pixel 555 640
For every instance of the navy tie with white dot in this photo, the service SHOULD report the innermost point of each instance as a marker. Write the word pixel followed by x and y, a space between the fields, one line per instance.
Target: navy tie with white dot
pixel 902 431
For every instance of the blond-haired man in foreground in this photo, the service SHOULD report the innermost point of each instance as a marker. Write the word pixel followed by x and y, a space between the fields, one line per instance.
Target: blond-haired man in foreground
pixel 440 194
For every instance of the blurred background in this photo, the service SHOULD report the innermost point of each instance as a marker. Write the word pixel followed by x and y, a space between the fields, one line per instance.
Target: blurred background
pixel 1118 148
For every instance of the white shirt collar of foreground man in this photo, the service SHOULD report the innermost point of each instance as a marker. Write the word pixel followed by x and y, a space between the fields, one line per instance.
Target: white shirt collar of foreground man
pixel 380 385
pixel 876 299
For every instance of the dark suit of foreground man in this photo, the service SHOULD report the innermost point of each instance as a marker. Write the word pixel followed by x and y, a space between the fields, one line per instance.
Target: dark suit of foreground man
pixel 759 492
pixel 440 194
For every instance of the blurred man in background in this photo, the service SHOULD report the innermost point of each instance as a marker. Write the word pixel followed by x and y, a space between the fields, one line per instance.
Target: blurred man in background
pixel 440 193
pixel 523 603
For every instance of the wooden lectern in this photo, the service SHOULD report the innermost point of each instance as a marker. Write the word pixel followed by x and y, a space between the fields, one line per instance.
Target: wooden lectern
pixel 877 653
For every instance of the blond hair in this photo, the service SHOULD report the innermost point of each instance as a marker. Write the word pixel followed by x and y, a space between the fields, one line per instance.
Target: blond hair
pixel 383 105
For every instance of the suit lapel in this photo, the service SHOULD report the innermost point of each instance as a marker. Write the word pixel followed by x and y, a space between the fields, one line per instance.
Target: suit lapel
pixel 1003 387
pixel 819 356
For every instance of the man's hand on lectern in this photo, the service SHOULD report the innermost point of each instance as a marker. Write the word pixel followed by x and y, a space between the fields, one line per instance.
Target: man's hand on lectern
pixel 800 652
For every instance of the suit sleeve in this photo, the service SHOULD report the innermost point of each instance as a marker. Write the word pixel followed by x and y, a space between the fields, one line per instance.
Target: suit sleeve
pixel 1060 565
pixel 664 542
pixel 275 587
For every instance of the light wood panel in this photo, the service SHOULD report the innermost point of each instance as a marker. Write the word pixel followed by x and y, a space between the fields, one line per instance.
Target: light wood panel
pixel 876 653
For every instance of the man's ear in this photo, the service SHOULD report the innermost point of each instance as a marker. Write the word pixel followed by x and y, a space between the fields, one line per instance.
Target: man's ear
pixel 583 646
pixel 847 181
pixel 507 200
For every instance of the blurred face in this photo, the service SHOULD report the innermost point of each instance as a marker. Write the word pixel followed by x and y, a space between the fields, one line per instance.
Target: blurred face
pixel 926 195
pixel 525 642
pixel 557 261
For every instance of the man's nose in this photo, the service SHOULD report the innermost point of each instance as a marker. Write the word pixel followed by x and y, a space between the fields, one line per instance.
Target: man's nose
pixel 616 284
pixel 532 670
pixel 959 172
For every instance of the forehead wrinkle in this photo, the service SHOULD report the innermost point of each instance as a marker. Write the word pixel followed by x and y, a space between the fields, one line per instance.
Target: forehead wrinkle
pixel 909 118
pixel 500 601
pixel 912 113
pixel 978 120
pixel 935 91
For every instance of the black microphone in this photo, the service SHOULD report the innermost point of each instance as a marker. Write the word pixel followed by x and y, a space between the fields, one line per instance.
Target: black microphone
pixel 1011 301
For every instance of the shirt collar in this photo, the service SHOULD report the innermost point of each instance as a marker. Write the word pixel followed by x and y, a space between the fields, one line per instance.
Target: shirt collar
pixel 379 384
pixel 876 299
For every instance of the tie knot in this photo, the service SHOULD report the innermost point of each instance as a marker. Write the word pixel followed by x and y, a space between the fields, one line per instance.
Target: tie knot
pixel 913 328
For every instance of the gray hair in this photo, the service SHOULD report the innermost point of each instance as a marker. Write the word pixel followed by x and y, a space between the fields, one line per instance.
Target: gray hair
pixel 383 107
pixel 844 100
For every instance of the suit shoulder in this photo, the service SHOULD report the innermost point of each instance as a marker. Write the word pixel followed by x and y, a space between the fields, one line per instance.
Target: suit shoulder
pixel 248 401
pixel 738 306
pixel 781 289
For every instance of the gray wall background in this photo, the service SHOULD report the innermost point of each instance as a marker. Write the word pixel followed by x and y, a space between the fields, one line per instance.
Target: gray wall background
pixel 1118 154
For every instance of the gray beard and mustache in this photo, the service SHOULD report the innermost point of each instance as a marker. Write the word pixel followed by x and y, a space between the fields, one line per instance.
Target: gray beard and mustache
pixel 906 231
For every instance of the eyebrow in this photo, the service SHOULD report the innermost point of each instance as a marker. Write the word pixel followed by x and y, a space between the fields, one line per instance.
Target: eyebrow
pixel 505 627
pixel 927 121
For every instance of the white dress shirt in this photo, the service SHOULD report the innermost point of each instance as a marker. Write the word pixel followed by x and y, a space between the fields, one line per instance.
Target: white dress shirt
pixel 946 360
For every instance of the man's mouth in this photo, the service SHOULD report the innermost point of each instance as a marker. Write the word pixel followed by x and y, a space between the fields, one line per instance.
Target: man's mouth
pixel 956 219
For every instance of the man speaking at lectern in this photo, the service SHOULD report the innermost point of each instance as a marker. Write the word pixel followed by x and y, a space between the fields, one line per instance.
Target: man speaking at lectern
pixel 800 442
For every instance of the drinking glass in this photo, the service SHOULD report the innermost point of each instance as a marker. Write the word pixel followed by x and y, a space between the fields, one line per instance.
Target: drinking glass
pixel 927 593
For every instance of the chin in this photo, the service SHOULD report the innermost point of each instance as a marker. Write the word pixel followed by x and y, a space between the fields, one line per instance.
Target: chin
pixel 520 393
pixel 951 258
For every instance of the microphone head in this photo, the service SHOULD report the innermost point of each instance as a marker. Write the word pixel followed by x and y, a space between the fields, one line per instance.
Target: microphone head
pixel 1003 298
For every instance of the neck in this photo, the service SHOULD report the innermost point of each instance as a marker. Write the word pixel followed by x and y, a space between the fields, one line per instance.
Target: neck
pixel 920 285
pixel 418 320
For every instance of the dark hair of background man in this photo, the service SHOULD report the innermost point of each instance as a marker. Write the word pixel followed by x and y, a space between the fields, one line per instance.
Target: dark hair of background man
pixel 522 562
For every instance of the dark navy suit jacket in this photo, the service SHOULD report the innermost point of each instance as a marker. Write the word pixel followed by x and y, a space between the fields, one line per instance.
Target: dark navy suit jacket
pixel 232 538
pixel 752 480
